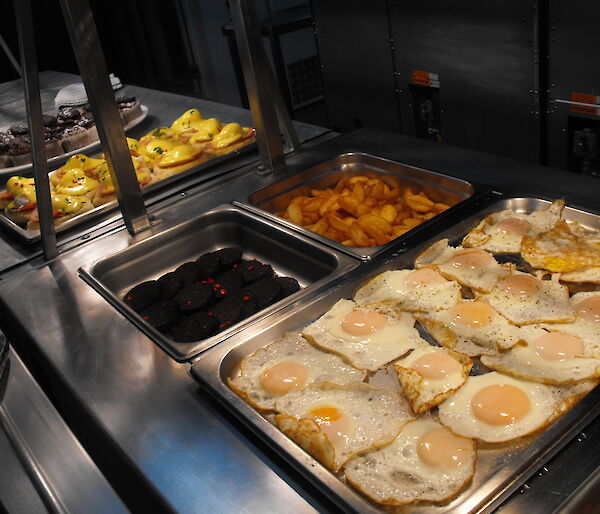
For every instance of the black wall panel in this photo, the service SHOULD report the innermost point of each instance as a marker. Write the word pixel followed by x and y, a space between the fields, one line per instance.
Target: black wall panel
pixel 573 67
pixel 358 73
pixel 483 53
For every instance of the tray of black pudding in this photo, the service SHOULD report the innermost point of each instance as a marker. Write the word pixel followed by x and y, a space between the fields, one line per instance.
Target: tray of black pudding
pixel 195 284
pixel 204 297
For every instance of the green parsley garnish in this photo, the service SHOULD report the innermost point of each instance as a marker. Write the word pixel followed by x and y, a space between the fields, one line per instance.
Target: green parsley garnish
pixel 159 150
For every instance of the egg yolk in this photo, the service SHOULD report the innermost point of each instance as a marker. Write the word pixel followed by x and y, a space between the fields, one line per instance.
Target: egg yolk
pixel 500 404
pixel 472 259
pixel 332 422
pixel 521 285
pixel 589 309
pixel 362 323
pixel 558 346
pixel 440 448
pixel 513 226
pixel 435 365
pixel 471 314
pixel 284 377
pixel 425 277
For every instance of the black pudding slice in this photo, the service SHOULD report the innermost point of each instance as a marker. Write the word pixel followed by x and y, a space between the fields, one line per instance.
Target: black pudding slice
pixel 194 328
pixel 265 291
pixel 170 284
pixel 143 295
pixel 161 313
pixel 208 266
pixel 288 286
pixel 253 271
pixel 227 312
pixel 228 256
pixel 246 302
pixel 188 272
pixel 227 283
pixel 194 296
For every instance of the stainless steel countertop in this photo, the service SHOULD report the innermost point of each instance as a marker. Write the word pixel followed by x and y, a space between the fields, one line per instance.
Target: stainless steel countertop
pixel 163 109
pixel 196 455
pixel 44 467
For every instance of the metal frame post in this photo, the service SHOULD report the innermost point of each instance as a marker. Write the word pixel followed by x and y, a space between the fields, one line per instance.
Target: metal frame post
pixel 259 85
pixel 33 105
pixel 92 66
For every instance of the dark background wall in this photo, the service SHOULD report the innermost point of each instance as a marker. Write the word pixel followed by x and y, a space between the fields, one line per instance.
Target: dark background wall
pixel 502 67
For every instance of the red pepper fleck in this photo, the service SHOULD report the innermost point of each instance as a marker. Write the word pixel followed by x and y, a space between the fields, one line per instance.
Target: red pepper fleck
pixel 209 314
pixel 129 297
pixel 250 268
pixel 245 298
pixel 222 325
pixel 188 303
pixel 223 292
pixel 146 318
pixel 235 266
pixel 210 280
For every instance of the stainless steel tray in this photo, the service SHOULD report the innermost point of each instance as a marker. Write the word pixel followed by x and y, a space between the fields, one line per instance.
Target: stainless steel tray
pixel 440 188
pixel 290 255
pixel 501 469
pixel 31 236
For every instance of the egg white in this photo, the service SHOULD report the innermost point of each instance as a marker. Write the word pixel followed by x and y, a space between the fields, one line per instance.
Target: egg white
pixel 376 415
pixel 425 393
pixel 522 361
pixel 487 237
pixel 498 334
pixel 396 475
pixel 439 256
pixel 549 305
pixel 547 402
pixel 292 347
pixel 368 351
pixel 390 288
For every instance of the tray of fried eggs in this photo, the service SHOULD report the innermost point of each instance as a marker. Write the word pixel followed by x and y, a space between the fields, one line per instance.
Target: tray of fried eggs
pixel 456 357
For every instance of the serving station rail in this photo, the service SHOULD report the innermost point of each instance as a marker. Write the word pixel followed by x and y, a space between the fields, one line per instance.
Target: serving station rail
pixel 144 409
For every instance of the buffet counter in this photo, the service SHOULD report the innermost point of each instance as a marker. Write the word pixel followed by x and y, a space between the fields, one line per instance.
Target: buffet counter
pixel 138 405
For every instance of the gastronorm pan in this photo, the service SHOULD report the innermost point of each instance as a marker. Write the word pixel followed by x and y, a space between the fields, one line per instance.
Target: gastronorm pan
pixel 290 254
pixel 440 188
pixel 500 469
pixel 31 236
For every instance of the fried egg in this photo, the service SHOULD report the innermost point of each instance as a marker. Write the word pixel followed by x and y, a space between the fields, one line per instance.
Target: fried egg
pixel 286 365
pixel 367 336
pixel 503 231
pixel 589 274
pixel 524 299
pixel 471 267
pixel 497 408
pixel 475 325
pixel 587 321
pixel 562 249
pixel 410 290
pixel 429 374
pixel 425 462
pixel 547 357
pixel 333 423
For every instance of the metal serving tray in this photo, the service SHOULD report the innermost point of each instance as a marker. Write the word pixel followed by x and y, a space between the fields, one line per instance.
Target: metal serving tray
pixel 501 469
pixel 289 253
pixel 31 236
pixel 438 187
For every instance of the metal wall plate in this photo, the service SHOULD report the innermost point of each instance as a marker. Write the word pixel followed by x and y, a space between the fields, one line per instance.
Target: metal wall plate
pixel 501 469
pixel 440 188
pixel 290 254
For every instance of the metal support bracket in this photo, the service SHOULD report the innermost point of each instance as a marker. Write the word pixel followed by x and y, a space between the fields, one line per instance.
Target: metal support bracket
pixel 267 105
pixel 33 105
pixel 92 66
